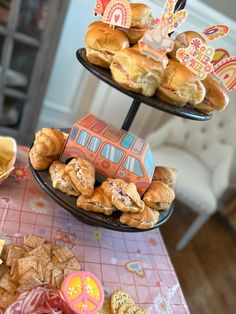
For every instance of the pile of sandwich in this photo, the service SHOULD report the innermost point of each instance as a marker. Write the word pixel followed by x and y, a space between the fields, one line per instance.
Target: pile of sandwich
pixel 77 179
pixel 117 49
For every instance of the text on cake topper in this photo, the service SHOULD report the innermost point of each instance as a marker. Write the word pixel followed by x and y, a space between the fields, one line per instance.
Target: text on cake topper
pixel 118 13
pixel 226 71
pixel 156 43
pixel 216 31
pixel 173 20
pixel 197 58
pixel 100 6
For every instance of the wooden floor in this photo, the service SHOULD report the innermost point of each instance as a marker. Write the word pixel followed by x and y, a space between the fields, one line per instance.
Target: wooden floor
pixel 206 268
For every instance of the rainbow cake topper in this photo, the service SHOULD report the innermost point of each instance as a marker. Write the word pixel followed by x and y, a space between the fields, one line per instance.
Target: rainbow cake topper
pixel 100 6
pixel 156 43
pixel 216 31
pixel 226 71
pixel 197 58
pixel 83 292
pixel 118 13
pixel 173 20
pixel 219 55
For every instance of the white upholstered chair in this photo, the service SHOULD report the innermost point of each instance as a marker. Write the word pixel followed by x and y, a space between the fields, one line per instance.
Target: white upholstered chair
pixel 202 152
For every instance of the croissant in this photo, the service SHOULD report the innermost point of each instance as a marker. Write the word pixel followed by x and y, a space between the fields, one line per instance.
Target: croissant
pixel 61 180
pixel 145 220
pixel 123 196
pixel 159 196
pixel 49 142
pixel 82 174
pixel 167 175
pixel 39 162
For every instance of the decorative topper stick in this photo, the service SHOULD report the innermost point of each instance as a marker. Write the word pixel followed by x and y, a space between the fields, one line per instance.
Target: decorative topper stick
pixel 216 31
pixel 197 58
pixel 226 71
pixel 100 6
pixel 156 43
pixel 173 20
pixel 83 292
pixel 118 13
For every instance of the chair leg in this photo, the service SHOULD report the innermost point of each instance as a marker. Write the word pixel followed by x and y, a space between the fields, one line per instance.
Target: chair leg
pixel 193 229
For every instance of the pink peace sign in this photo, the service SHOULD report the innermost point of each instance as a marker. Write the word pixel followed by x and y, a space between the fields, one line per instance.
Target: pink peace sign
pixel 83 291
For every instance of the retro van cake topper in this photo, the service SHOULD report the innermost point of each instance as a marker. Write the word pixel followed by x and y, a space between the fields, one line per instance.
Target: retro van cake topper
pixel 115 153
pixel 156 43
pixel 197 58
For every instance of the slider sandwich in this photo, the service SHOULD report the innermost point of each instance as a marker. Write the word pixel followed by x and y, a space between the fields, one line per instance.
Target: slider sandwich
pixel 180 86
pixel 103 42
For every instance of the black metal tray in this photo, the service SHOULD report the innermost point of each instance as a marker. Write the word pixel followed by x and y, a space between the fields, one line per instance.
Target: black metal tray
pixel 95 219
pixel 105 75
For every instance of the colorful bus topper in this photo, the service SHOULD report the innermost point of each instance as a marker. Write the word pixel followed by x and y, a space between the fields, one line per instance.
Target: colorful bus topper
pixel 226 71
pixel 83 292
pixel 173 20
pixel 115 153
pixel 197 58
pixel 118 13
pixel 216 31
pixel 156 43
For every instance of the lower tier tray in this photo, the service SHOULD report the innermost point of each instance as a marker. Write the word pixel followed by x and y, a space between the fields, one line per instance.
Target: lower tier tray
pixel 95 219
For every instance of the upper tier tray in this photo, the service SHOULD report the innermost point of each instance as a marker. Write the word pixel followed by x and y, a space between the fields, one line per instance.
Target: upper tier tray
pixel 105 75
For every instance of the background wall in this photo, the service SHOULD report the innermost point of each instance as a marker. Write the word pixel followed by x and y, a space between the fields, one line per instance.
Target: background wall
pixel 73 92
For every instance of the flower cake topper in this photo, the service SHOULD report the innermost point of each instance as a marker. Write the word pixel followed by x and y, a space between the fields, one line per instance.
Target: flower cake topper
pixel 197 58
pixel 156 43
pixel 115 12
pixel 216 31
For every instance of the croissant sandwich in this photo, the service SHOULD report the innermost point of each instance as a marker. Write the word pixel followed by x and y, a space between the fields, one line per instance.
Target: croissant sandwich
pixel 123 196
pixel 145 220
pixel 159 196
pixel 167 175
pixel 39 162
pixel 98 202
pixel 49 142
pixel 61 180
pixel 82 174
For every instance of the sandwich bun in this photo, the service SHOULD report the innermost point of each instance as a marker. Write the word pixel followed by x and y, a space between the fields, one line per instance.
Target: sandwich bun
pixel 180 86
pixel 183 40
pixel 216 97
pixel 102 43
pixel 135 72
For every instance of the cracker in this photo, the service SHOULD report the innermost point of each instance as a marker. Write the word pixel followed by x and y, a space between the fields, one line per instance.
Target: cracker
pixel 41 253
pixel 14 251
pixel 25 263
pixel 47 277
pixel 122 309
pixel 7 299
pixel 62 253
pixel 33 241
pixel 7 284
pixel 119 298
pixel 132 309
pixel 73 263
pixel 142 311
pixel 1 246
pixel 106 308
pixel 57 277
pixel 26 277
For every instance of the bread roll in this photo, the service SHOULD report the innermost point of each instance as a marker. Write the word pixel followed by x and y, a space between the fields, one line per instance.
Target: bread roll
pixel 180 86
pixel 216 97
pixel 103 42
pixel 136 72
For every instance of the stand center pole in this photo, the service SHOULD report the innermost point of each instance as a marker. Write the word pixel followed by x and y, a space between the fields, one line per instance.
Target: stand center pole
pixel 131 114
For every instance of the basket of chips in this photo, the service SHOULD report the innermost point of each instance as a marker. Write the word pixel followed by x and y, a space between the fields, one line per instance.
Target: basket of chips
pixel 8 150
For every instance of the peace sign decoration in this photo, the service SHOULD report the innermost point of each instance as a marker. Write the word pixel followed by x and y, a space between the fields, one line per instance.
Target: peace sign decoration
pixel 83 292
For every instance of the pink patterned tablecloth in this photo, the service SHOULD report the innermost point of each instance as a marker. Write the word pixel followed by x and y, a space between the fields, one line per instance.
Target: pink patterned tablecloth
pixel 135 262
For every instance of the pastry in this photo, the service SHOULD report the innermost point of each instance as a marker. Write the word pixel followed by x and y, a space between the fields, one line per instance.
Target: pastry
pixel 61 180
pixel 98 202
pixel 39 162
pixel 123 196
pixel 82 174
pixel 49 142
pixel 136 72
pixel 167 175
pixel 145 220
pixel 216 97
pixel 103 42
pixel 180 86
pixel 159 196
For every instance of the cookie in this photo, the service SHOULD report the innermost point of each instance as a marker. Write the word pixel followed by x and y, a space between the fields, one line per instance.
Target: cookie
pixel 141 311
pixel 106 308
pixel 119 298
pixel 122 309
pixel 132 309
